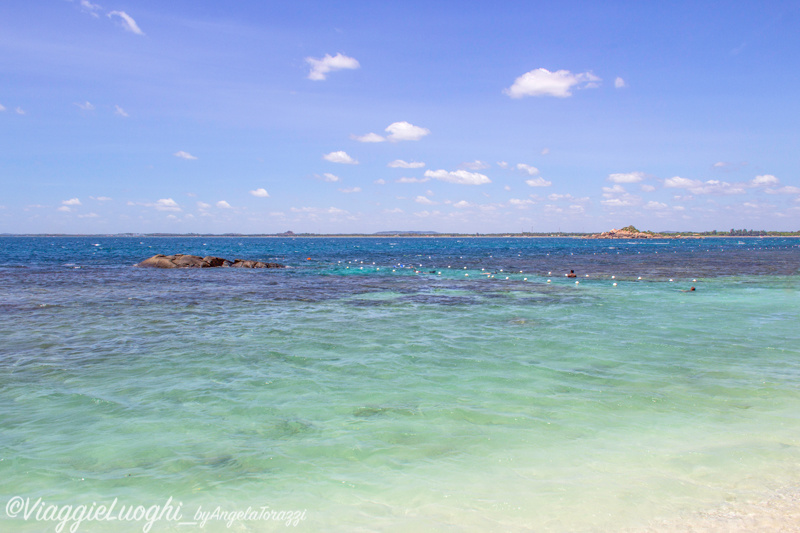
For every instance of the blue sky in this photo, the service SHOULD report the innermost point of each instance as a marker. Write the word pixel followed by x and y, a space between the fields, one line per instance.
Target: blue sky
pixel 262 117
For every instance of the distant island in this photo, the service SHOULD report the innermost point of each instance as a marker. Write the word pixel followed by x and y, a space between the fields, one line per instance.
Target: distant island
pixel 630 232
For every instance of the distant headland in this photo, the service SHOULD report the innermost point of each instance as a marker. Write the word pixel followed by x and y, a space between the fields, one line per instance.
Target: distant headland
pixel 628 232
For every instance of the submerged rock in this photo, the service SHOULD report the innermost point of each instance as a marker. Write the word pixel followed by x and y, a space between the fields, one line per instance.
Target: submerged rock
pixel 194 261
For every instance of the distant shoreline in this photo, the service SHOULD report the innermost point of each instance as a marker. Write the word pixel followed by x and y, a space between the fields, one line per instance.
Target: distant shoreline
pixel 677 235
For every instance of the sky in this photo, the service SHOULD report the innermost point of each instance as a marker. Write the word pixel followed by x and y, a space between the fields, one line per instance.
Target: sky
pixel 362 116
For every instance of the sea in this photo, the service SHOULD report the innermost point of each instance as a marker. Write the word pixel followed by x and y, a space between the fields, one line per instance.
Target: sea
pixel 400 384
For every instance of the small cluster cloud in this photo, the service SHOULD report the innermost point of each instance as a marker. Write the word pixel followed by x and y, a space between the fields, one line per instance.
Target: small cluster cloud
pixel 184 155
pixel 399 163
pixel 533 171
pixel 340 157
pixel 542 82
pixel 398 131
pixel 704 187
pixel 321 67
pixel 629 177
pixel 538 182
pixel 461 177
pixel 260 193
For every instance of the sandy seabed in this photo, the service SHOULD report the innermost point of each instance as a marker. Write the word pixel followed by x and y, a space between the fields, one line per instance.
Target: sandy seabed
pixel 778 512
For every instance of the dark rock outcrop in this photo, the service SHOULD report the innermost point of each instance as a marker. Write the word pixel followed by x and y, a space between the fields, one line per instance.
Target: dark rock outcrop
pixel 194 261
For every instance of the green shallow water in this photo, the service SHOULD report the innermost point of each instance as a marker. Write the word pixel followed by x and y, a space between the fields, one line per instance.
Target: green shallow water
pixel 440 405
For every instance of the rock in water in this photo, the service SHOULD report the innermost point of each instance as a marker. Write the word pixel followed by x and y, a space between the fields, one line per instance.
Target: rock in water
pixel 194 261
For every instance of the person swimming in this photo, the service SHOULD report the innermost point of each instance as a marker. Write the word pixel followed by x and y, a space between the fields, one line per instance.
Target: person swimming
pixel 688 290
pixel 572 274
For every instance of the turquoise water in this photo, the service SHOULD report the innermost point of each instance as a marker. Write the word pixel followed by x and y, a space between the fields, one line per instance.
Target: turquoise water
pixel 412 394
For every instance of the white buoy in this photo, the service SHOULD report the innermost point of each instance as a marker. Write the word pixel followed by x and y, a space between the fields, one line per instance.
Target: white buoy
pixel 524 279
pixel 615 283
pixel 577 282
pixel 548 281
pixel 612 277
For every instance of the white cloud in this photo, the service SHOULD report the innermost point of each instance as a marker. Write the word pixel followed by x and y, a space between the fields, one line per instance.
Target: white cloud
pixel 648 188
pixel 424 200
pixel 618 202
pixel 616 189
pixel 721 164
pixel 203 205
pixel 655 205
pixel 64 208
pixel 619 83
pixel 411 180
pixel 19 111
pixel 629 177
pixel 538 182
pixel 86 106
pixel 766 179
pixel 100 198
pixel 462 204
pixel 533 171
pixel 707 187
pixel 392 211
pixel 380 181
pixel 261 193
pixel 398 131
pixel 71 201
pixel 502 164
pixel 681 183
pixel 520 203
pixel 127 22
pixel 321 67
pixel 545 151
pixel 399 163
pixel 404 131
pixel 331 178
pixel 542 82
pixel 222 204
pixel 461 177
pixel 119 111
pixel 184 155
pixel 475 165
pixel 369 138
pixel 340 157
pixel 165 204
pixel 350 190
pixel 89 215
pixel 2 108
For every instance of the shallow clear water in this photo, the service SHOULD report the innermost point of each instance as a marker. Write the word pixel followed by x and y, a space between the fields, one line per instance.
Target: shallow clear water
pixel 404 393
